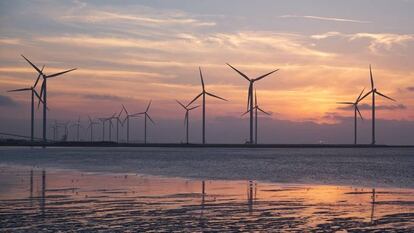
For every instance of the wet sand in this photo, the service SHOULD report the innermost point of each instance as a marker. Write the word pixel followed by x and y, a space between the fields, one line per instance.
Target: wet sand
pixel 33 199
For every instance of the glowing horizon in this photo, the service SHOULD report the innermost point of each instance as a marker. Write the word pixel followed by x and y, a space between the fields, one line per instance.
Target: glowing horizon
pixel 132 52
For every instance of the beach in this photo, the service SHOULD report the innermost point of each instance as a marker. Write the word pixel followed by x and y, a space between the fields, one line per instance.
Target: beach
pixel 108 190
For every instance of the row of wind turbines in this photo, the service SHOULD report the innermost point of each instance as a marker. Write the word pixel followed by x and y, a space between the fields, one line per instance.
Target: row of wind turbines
pixel 252 108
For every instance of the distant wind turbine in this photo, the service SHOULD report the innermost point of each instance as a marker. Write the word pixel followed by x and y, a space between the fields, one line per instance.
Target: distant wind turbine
pixel 55 129
pixel 256 108
pixel 109 119
pixel 91 123
pixel 356 109
pixel 128 116
pixel 186 118
pixel 66 127
pixel 374 92
pixel 250 94
pixel 103 120
pixel 204 93
pixel 146 115
pixel 118 120
pixel 77 125
pixel 43 91
pixel 34 93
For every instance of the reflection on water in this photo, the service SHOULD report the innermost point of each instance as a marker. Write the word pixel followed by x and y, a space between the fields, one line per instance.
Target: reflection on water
pixel 38 200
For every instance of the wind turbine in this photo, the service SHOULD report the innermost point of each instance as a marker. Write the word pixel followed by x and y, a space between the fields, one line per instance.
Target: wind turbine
pixel 356 109
pixel 66 130
pixel 374 92
pixel 127 120
pixel 43 91
pixel 186 118
pixel 256 108
pixel 91 123
pixel 34 93
pixel 118 120
pixel 55 129
pixel 110 125
pixel 250 94
pixel 103 120
pixel 78 125
pixel 146 115
pixel 204 93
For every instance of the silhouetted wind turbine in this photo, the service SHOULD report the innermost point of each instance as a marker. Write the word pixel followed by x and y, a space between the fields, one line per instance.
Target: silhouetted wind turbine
pixel 146 115
pixel 374 92
pixel 256 108
pixel 55 129
pixel 110 125
pixel 356 109
pixel 103 120
pixel 78 125
pixel 91 123
pixel 186 118
pixel 66 127
pixel 34 93
pixel 204 93
pixel 127 120
pixel 118 120
pixel 44 91
pixel 250 94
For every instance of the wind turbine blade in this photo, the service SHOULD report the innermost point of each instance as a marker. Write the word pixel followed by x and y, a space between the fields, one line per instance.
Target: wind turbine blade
pixel 201 77
pixel 238 71
pixel 344 103
pixel 193 108
pixel 137 114
pixel 257 79
pixel 185 117
pixel 150 118
pixel 263 111
pixel 125 109
pixel 149 104
pixel 255 98
pixel 38 77
pixel 358 99
pixel 22 89
pixel 198 96
pixel 245 113
pixel 360 115
pixel 42 89
pixel 35 67
pixel 120 112
pixel 372 79
pixel 363 97
pixel 38 96
pixel 215 96
pixel 248 95
pixel 60 73
pixel 182 105
pixel 384 96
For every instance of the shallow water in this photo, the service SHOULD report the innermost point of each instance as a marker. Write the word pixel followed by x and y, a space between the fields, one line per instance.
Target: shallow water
pixel 68 200
pixel 159 189
pixel 366 167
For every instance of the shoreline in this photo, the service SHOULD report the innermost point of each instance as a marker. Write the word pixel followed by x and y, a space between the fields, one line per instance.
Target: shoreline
pixel 18 143
pixel 107 173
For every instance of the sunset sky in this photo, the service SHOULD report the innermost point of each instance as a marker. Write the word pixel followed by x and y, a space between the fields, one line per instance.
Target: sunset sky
pixel 132 51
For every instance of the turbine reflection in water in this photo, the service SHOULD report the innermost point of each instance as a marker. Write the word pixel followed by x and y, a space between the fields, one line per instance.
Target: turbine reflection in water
pixel 144 202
